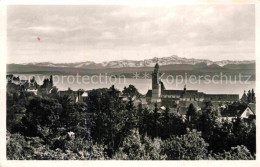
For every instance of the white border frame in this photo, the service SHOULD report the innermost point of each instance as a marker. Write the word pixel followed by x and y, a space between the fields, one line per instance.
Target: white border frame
pixel 39 163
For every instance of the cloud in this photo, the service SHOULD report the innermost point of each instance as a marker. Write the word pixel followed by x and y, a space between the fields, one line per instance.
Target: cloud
pixel 130 30
pixel 47 29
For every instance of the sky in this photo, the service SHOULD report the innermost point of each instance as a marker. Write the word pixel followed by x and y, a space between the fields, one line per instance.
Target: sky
pixel 105 33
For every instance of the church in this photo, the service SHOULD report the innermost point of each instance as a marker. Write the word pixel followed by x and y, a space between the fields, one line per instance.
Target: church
pixel 171 98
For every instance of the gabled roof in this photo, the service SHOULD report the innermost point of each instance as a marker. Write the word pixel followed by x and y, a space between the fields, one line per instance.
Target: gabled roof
pixel 163 108
pixel 172 92
pixel 149 93
pixel 189 95
pixel 234 110
pixel 222 97
pixel 85 94
pixel 191 90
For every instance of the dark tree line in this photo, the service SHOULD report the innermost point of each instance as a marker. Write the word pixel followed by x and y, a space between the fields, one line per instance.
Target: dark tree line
pixel 54 127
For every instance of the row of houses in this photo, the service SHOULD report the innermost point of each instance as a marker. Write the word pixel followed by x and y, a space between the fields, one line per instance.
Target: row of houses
pixel 228 108
pixel 229 111
pixel 16 84
pixel 76 96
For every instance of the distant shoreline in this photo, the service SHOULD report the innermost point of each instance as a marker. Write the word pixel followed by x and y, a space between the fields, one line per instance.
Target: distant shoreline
pixel 231 77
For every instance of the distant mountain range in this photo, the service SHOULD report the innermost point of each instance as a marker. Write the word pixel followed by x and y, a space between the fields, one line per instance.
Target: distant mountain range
pixel 172 64
pixel 143 63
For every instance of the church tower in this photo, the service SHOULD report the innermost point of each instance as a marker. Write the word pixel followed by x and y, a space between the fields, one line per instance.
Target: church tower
pixel 156 84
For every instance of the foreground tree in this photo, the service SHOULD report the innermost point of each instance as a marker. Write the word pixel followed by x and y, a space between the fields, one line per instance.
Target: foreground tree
pixel 208 121
pixel 136 148
pixel 111 118
pixel 190 146
pixel 236 153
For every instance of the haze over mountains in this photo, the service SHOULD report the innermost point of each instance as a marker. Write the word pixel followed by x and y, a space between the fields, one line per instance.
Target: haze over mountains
pixel 145 63
pixel 170 65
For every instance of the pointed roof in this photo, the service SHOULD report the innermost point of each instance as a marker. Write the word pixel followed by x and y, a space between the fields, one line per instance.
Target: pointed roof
pixel 156 67
pixel 149 93
pixel 172 92
pixel 85 94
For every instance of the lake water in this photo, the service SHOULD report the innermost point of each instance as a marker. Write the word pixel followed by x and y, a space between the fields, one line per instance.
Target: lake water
pixel 63 82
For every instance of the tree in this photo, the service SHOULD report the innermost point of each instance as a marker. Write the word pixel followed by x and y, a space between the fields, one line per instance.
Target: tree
pixel 131 91
pixel 192 116
pixel 97 152
pixel 131 116
pixel 134 148
pixel 109 117
pixel 191 112
pixel 146 125
pixel 190 146
pixel 177 125
pixel 249 96
pixel 245 133
pixel 165 128
pixel 14 115
pixel 155 121
pixel 236 153
pixel 20 147
pixel 140 116
pixel 166 115
pixel 42 114
pixel 221 137
pixel 54 91
pixel 33 80
pixel 68 109
pixel 208 121
pixel 208 106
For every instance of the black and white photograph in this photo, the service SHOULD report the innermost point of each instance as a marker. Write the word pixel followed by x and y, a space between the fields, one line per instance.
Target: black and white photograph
pixel 131 82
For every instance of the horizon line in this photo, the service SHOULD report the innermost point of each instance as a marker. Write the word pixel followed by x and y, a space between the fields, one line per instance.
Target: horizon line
pixel 128 60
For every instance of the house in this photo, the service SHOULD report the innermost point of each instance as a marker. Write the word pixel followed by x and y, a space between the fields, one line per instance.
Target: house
pixel 31 86
pixel 75 96
pixel 222 97
pixel 33 90
pixel 163 108
pixel 84 96
pixel 237 111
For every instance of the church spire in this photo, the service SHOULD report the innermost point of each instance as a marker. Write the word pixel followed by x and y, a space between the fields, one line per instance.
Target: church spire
pixel 156 67
pixel 156 84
